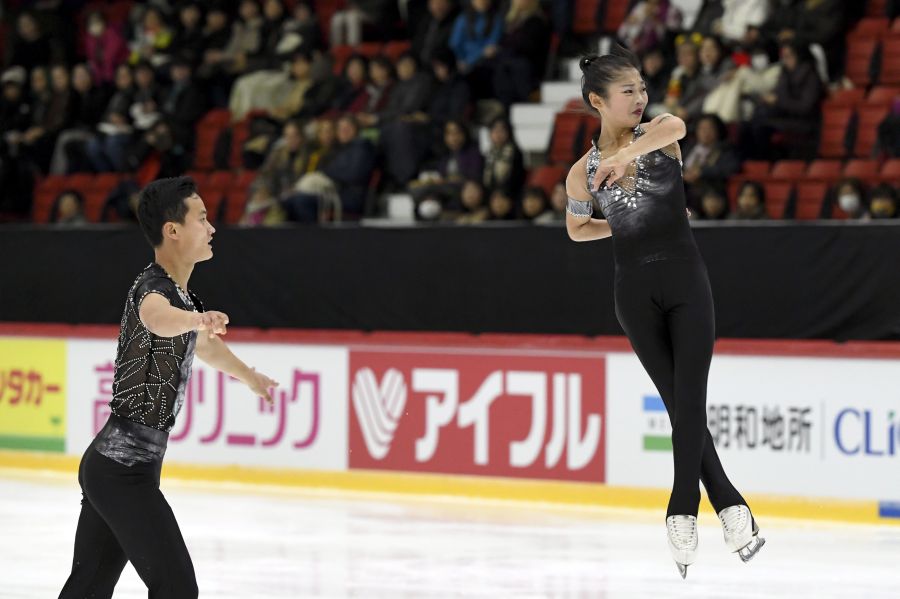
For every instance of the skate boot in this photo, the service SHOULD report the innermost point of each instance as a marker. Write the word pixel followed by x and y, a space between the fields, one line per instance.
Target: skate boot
pixel 682 531
pixel 741 531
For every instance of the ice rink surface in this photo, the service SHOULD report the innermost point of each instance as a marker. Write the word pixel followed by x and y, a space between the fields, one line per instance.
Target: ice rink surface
pixel 256 542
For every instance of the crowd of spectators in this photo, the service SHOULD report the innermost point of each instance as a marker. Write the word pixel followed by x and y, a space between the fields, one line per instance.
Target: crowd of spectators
pixel 122 91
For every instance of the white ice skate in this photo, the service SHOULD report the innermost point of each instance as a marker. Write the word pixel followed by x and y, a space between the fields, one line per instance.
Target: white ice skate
pixel 741 532
pixel 682 532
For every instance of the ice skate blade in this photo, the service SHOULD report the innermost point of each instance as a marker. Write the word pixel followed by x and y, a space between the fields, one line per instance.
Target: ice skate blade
pixel 748 551
pixel 682 569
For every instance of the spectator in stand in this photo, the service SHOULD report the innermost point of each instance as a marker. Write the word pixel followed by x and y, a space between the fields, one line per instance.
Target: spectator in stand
pixel 656 76
pixel 648 24
pixel 52 111
pixel 183 103
pixel 848 196
pixel 434 34
pixel 145 105
pixel 68 210
pixel 504 167
pixel 106 151
pixel 710 160
pixel 476 34
pixel 244 43
pixel 502 206
pixel 751 202
pixel 713 204
pixel 347 25
pixel 558 201
pixel 685 88
pixel 287 162
pixel 188 39
pixel 883 202
pixel 804 22
pixel 300 31
pixel 521 58
pixel 353 95
pixel 30 46
pixel 473 205
pixel 536 206
pixel 105 49
pixel 156 154
pixel 741 18
pixel 274 18
pixel 409 95
pixel 792 109
pixel 151 39
pixel 212 70
pixel 733 99
pixel 715 69
pixel 16 177
pixel 379 89
pixel 461 162
pixel 89 104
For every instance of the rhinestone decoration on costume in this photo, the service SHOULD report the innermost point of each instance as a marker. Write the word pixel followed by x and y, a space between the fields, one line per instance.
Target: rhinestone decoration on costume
pixel 152 372
pixel 645 208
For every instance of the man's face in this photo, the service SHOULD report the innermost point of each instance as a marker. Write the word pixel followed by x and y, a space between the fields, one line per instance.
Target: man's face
pixel 194 236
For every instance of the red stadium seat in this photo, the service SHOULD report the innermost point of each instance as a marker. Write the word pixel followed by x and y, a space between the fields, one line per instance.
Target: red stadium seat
pixel 883 94
pixel 810 195
pixel 859 59
pixel 208 130
pixel 788 169
pixel 614 14
pixel 846 97
pixel 824 170
pixel 834 131
pixel 861 169
pixel 890 61
pixel 756 168
pixel 568 137
pixel 869 117
pixel 890 171
pixel 876 8
pixel 546 177
pixel 778 193
pixel 394 49
pixel 871 27
pixel 585 19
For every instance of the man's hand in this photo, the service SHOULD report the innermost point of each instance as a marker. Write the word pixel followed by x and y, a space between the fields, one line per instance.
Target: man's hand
pixel 261 385
pixel 213 322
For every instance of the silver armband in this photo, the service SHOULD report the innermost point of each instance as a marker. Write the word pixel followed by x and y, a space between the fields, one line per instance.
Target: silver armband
pixel 578 208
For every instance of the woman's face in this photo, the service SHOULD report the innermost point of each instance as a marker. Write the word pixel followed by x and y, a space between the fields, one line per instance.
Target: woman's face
pixel 707 134
pixel 346 131
pixel 248 10
pixel 748 202
pixel 144 77
pixel 499 134
pixel 406 68
pixel 325 133
pixel 189 16
pixel 60 76
pixel 472 195
pixel 687 56
pixel 124 78
pixel 300 68
pixel 653 63
pixel 81 78
pixel 481 5
pixel 501 204
pixel 273 9
pixel 293 137
pixel 454 137
pixel 356 71
pixel 68 207
pixel 152 20
pixel 532 205
pixel 626 99
pixel 713 205
pixel 38 81
pixel 710 53
pixel 379 73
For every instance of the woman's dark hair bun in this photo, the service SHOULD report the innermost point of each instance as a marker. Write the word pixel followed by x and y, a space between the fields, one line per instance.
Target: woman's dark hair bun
pixel 586 61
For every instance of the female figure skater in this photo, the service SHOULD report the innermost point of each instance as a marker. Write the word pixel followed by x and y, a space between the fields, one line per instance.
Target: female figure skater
pixel 124 516
pixel 662 295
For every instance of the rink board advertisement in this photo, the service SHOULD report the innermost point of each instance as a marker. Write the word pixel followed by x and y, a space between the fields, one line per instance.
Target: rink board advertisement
pixel 32 394
pixel 478 412
pixel 809 427
pixel 221 422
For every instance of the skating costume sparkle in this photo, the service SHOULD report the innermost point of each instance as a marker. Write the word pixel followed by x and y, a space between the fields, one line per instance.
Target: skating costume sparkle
pixel 151 375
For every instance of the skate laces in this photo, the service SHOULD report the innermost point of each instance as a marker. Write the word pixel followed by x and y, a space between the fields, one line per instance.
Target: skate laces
pixel 682 530
pixel 734 518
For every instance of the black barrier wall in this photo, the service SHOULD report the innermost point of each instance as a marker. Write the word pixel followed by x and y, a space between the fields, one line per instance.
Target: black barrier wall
pixel 837 281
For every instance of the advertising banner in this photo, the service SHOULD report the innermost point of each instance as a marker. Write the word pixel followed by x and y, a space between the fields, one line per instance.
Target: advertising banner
pixel 823 427
pixel 221 422
pixel 478 412
pixel 32 394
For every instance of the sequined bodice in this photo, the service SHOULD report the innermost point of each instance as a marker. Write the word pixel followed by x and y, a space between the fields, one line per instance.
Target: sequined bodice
pixel 645 208
pixel 152 372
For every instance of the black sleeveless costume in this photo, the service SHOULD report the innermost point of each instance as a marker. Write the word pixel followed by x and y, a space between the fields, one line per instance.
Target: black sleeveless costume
pixel 664 303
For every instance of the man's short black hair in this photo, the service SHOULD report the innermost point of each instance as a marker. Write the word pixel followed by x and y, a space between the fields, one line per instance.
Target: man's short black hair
pixel 162 201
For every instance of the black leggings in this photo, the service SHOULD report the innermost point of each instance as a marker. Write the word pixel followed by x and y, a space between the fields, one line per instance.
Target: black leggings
pixel 666 309
pixel 124 517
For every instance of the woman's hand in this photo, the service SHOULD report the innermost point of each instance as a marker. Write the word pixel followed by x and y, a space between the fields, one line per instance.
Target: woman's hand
pixel 610 170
